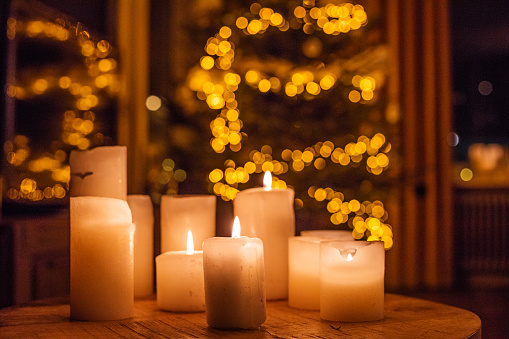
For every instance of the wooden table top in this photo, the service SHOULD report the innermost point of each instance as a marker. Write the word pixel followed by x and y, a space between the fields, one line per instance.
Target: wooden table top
pixel 405 317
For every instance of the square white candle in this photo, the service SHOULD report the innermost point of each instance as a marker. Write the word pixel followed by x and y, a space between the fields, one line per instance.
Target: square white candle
pixel 352 280
pixel 234 282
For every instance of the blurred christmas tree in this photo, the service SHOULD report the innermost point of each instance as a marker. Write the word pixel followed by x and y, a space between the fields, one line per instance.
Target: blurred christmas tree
pixel 297 89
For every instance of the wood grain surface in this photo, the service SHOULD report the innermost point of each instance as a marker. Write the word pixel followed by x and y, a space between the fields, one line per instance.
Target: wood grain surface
pixel 405 317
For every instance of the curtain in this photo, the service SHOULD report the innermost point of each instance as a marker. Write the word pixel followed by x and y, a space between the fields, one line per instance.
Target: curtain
pixel 419 88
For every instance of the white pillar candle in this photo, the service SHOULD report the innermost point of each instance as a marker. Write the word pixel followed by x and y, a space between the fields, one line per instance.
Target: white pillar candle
pixel 234 281
pixel 181 213
pixel 304 266
pixel 304 272
pixel 100 172
pixel 179 276
pixel 352 280
pixel 143 217
pixel 101 259
pixel 268 214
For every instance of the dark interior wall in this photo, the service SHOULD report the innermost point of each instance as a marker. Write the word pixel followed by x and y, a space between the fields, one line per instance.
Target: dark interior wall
pixel 480 46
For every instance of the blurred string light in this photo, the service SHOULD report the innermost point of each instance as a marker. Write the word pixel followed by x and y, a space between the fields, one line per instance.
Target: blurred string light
pixel 366 219
pixel 167 178
pixel 218 77
pixel 78 121
pixel 466 174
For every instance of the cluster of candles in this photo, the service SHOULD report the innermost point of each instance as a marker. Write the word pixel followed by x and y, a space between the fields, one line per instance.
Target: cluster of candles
pixel 230 279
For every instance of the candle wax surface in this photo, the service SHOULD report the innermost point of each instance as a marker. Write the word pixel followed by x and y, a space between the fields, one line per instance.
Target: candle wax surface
pixel 352 280
pixel 101 171
pixel 180 285
pixel 143 218
pixel 269 215
pixel 101 250
pixel 234 282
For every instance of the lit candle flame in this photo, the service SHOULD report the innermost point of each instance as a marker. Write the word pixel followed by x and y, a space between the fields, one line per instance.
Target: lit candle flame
pixel 267 181
pixel 190 245
pixel 236 228
pixel 349 257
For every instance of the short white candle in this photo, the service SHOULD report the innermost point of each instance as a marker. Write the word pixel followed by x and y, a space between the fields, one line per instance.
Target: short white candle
pixel 179 276
pixel 143 217
pixel 304 266
pixel 181 213
pixel 100 172
pixel 234 281
pixel 101 259
pixel 268 214
pixel 352 280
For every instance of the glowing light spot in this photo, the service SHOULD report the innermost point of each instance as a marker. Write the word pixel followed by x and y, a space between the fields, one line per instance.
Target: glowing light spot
pixel 254 27
pixel 319 164
pixel 264 85
pixel 250 167
pixel 354 96
pixel 28 185
pixel 320 194
pixel 297 79
pixel 300 12
pixel 216 175
pixel 367 95
pixel 168 164
pixel 234 138
pixel 313 88
pixel 225 32
pixel 291 90
pixel 40 86
pixel 215 101
pixel 327 82
pixel 485 88
pixel 153 103
pixel 276 19
pixel 105 65
pixel 382 159
pixel 64 82
pixel 241 22
pixel 466 174
pixel 180 175
pixel 207 62
pixel 252 77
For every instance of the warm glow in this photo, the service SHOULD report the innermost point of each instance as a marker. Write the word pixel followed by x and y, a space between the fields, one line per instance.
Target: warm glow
pixel 267 181
pixel 153 103
pixel 466 174
pixel 236 228
pixel 190 245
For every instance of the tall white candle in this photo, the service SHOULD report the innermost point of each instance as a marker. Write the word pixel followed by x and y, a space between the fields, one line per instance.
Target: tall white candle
pixel 304 266
pixel 101 172
pixel 181 213
pixel 179 276
pixel 352 280
pixel 268 214
pixel 234 281
pixel 101 259
pixel 143 217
